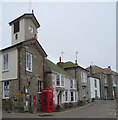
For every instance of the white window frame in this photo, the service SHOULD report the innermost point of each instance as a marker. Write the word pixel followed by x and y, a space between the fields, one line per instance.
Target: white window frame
pixel 60 80
pixel 28 62
pixel 3 84
pixel 62 76
pixel 3 63
pixel 71 83
pixel 83 77
pixel 40 86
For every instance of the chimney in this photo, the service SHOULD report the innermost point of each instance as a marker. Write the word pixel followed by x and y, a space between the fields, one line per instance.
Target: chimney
pixel 109 67
pixel 35 37
pixel 32 11
pixel 75 62
pixel 90 70
pixel 59 59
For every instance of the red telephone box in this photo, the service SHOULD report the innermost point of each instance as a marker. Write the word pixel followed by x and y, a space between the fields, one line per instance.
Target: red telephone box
pixel 47 100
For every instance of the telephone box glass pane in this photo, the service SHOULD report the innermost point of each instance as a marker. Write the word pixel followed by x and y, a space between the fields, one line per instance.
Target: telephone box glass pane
pixel 44 101
pixel 50 100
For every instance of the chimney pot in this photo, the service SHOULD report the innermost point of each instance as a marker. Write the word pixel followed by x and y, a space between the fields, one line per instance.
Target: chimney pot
pixel 59 59
pixel 76 62
pixel 32 11
pixel 90 70
pixel 109 67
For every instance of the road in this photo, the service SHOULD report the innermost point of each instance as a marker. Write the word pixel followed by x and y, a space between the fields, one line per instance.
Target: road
pixel 97 109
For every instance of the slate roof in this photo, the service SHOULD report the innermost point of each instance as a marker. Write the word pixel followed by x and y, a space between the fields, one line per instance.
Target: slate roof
pixel 109 71
pixel 97 69
pixel 69 65
pixel 53 67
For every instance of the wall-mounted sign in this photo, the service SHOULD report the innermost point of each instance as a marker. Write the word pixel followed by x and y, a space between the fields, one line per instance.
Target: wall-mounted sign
pixel 17 94
pixel 34 100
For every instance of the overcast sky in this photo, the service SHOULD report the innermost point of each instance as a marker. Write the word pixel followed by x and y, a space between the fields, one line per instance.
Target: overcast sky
pixel 89 28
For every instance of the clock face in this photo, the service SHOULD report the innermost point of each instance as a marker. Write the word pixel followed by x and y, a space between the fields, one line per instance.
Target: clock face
pixel 31 30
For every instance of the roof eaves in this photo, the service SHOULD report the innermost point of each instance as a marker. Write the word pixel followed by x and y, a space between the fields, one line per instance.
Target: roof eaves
pixel 25 15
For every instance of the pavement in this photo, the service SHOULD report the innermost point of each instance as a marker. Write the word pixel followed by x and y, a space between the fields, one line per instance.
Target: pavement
pixel 97 109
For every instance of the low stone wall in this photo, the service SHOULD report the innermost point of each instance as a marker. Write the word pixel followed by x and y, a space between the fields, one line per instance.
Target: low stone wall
pixel 65 106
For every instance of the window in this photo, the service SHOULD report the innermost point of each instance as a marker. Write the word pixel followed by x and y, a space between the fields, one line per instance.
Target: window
pixel 75 96
pixel 71 83
pixel 72 99
pixel 83 92
pixel 57 80
pixel 113 81
pixel 66 96
pixel 82 77
pixel 16 36
pixel 75 84
pixel 40 86
pixel 62 80
pixel 95 84
pixel 5 89
pixel 5 62
pixel 105 80
pixel 16 27
pixel 96 94
pixel 28 62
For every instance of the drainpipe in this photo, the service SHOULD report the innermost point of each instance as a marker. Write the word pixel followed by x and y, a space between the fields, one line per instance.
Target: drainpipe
pixel 19 69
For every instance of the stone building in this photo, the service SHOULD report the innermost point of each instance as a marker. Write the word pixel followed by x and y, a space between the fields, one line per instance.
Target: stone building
pixel 23 66
pixel 64 86
pixel 112 82
pixel 107 81
pixel 80 74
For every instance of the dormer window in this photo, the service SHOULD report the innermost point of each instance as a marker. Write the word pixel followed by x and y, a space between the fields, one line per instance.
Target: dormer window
pixel 16 27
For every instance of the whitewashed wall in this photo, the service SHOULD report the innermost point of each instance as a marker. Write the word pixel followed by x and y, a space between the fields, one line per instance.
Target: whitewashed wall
pixel 93 88
pixel 67 88
pixel 11 73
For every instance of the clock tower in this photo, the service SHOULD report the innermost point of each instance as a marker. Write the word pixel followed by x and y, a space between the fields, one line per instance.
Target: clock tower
pixel 24 28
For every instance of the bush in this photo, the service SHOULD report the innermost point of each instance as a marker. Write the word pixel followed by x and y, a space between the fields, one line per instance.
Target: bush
pixel 66 105
pixel 93 99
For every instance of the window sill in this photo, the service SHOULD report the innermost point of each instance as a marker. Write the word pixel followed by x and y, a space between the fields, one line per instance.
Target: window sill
pixel 40 92
pixel 60 86
pixel 5 98
pixel 5 70
pixel 28 70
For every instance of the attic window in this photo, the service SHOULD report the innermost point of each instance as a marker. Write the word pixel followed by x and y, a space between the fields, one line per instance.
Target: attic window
pixel 16 27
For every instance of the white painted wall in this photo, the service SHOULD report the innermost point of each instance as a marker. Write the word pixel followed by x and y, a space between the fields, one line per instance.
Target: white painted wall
pixel 11 73
pixel 93 88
